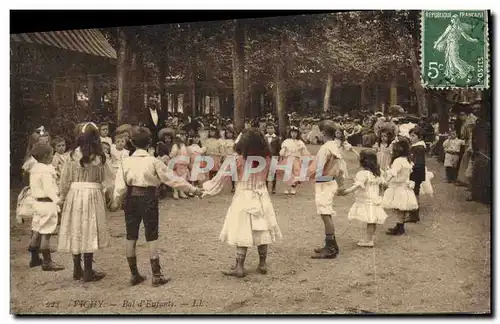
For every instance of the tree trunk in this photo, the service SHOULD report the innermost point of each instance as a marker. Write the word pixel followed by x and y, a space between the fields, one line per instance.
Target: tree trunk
pixel 362 99
pixel 238 74
pixel 377 97
pixel 163 64
pixel 137 104
pixel 393 94
pixel 190 99
pixel 328 91
pixel 122 76
pixel 419 89
pixel 280 98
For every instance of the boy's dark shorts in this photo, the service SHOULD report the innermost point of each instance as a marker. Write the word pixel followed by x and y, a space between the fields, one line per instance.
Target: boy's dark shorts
pixel 142 208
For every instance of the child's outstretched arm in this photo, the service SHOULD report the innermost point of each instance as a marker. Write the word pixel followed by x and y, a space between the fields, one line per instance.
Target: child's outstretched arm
pixel 167 177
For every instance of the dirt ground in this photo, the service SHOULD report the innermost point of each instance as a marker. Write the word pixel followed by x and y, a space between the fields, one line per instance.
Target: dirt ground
pixel 441 265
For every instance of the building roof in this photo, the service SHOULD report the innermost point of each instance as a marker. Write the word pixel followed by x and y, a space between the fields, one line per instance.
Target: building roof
pixel 89 41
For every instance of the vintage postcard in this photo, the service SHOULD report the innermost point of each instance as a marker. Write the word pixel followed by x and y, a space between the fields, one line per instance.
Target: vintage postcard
pixel 329 163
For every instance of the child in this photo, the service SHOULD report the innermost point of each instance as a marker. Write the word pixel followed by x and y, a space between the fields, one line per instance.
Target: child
pixel 293 148
pixel 60 156
pixel 399 195
pixel 452 147
pixel 118 151
pixel 343 147
pixel 24 199
pixel 164 145
pixel 46 203
pixel 136 183
pixel 274 146
pixel 250 220
pixel 104 131
pixel 366 207
pixel 215 149
pixel 384 149
pixel 125 131
pixel 417 155
pixel 228 147
pixel 194 150
pixel 106 148
pixel 181 166
pixel 83 225
pixel 329 160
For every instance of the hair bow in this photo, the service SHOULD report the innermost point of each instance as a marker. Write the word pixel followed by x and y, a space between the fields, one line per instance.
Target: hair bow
pixel 41 130
pixel 86 124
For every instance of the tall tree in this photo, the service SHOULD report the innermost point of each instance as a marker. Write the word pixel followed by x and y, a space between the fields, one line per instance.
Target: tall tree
pixel 238 74
pixel 122 76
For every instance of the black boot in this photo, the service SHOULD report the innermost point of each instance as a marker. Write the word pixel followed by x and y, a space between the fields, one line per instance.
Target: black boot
pixel 136 277
pixel 158 277
pixel 233 188
pixel 88 273
pixel 328 252
pixel 35 257
pixel 77 267
pixel 399 229
pixel 262 267
pixel 335 246
pixel 239 269
pixel 413 217
pixel 48 264
pixel 34 249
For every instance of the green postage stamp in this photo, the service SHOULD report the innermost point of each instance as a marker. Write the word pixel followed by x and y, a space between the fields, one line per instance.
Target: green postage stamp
pixel 454 49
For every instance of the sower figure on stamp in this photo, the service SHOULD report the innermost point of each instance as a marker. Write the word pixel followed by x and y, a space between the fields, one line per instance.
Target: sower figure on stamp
pixel 136 181
pixel 448 43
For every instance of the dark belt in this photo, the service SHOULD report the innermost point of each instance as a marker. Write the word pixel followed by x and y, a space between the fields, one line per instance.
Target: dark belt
pixel 142 191
pixel 44 199
pixel 453 153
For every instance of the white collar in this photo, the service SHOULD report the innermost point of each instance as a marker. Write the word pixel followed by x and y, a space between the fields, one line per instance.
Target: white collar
pixel 268 135
pixel 419 143
pixel 140 152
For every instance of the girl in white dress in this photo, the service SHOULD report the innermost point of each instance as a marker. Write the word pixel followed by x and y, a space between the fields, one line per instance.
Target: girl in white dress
pixel 215 149
pixel 182 162
pixel 367 206
pixel 84 225
pixel 399 194
pixel 250 220
pixel 195 150
pixel 384 149
pixel 293 148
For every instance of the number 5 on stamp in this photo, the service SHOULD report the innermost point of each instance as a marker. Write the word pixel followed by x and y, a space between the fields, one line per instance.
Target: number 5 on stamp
pixel 454 49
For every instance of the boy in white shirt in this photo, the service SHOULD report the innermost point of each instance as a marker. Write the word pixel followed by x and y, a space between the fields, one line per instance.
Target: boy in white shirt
pixel 46 206
pixel 327 184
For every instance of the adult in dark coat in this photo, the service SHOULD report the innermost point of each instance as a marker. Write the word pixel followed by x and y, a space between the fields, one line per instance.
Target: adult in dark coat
pixel 154 119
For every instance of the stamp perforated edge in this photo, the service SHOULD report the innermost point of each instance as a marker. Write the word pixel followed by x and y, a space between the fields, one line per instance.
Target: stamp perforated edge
pixel 486 54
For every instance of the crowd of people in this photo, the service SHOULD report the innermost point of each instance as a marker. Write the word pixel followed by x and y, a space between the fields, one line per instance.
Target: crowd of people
pixel 133 170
